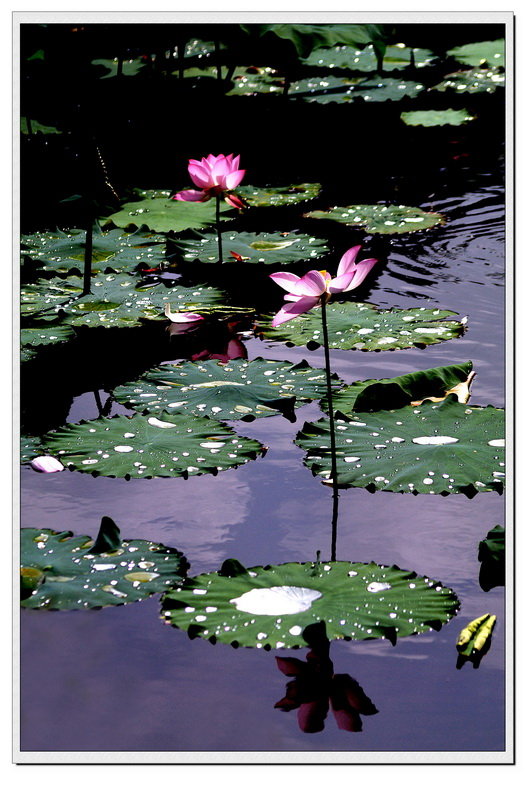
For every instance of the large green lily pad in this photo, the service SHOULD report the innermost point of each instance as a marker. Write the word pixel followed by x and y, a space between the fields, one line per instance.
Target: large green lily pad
pixel 397 56
pixel 381 219
pixel 371 395
pixel 60 571
pixel 272 607
pixel 113 251
pixel 141 447
pixel 156 211
pixel 264 196
pixel 236 390
pixel 358 326
pixel 474 80
pixel 114 300
pixel 269 248
pixel 443 447
pixel 341 90
pixel 490 53
pixel 46 335
pixel 437 117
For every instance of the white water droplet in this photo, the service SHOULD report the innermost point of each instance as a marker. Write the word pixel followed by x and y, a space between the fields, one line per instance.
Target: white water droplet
pixel 375 587
pixel 276 600
pixel 434 440
pixel 123 448
pixel 498 442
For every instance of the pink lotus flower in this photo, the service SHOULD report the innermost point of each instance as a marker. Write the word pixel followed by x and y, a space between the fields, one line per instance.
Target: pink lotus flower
pixel 181 317
pixel 215 175
pixel 47 464
pixel 307 291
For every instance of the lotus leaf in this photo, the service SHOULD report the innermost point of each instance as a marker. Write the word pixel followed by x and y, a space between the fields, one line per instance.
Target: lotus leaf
pixel 272 607
pixel 141 447
pixel 396 56
pixel 372 395
pixel 358 326
pixel 437 117
pixel 114 301
pixel 490 53
pixel 113 251
pixel 236 390
pixel 341 90
pixel 129 67
pixel 60 571
pixel 30 126
pixel 253 80
pixel 46 335
pixel 270 248
pixel 306 38
pixel 263 196
pixel 491 554
pixel 436 448
pixel 381 219
pixel 157 211
pixel 475 80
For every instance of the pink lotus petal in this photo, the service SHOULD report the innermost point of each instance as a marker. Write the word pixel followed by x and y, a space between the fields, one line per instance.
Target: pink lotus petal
pixel 285 280
pixel 341 283
pixel 289 297
pixel 362 270
pixel 291 666
pixel 199 176
pixel 289 311
pixel 233 179
pixel 347 261
pixel 47 464
pixel 181 317
pixel 311 284
pixel 191 195
pixel 234 201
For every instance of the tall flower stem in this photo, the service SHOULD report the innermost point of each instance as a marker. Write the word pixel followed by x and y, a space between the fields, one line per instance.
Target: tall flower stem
pixel 218 223
pixel 333 472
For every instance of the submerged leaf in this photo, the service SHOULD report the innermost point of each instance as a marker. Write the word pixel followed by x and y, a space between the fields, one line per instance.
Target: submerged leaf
pixel 274 606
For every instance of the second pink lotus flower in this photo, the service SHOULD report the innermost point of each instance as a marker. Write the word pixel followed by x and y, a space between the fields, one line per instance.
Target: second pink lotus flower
pixel 306 292
pixel 215 176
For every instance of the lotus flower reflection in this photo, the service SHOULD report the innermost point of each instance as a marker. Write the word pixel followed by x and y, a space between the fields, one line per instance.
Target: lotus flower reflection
pixel 307 291
pixel 215 176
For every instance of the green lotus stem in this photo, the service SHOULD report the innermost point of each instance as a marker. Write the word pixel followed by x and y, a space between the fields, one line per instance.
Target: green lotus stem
pixel 88 256
pixel 335 487
pixel 218 223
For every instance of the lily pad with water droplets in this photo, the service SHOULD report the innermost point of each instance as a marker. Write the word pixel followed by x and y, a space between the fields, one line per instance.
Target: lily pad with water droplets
pixel 46 335
pixel 30 447
pixel 436 448
pixel 341 90
pixel 371 395
pixel 381 219
pixel 278 196
pixel 358 326
pixel 474 80
pixel 490 53
pixel 397 56
pixel 437 117
pixel 236 390
pixel 114 300
pixel 141 447
pixel 246 248
pixel 256 79
pixel 272 607
pixel 156 211
pixel 113 251
pixel 60 571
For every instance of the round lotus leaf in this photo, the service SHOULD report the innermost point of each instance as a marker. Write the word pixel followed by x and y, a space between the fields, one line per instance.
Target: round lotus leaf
pixel 156 211
pixel 396 57
pixel 358 326
pixel 341 90
pixel 59 571
pixel 113 251
pixel 114 300
pixel 475 80
pixel 490 53
pixel 256 79
pixel 30 338
pixel 443 447
pixel 381 219
pixel 272 607
pixel 236 390
pixel 270 248
pixel 141 447
pixel 437 117
pixel 371 395
pixel 263 196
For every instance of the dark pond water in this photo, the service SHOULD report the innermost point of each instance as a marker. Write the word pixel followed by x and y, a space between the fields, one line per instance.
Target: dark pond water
pixel 117 679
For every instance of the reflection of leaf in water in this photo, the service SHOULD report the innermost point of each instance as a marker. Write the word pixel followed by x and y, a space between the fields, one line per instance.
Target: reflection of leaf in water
pixel 491 554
